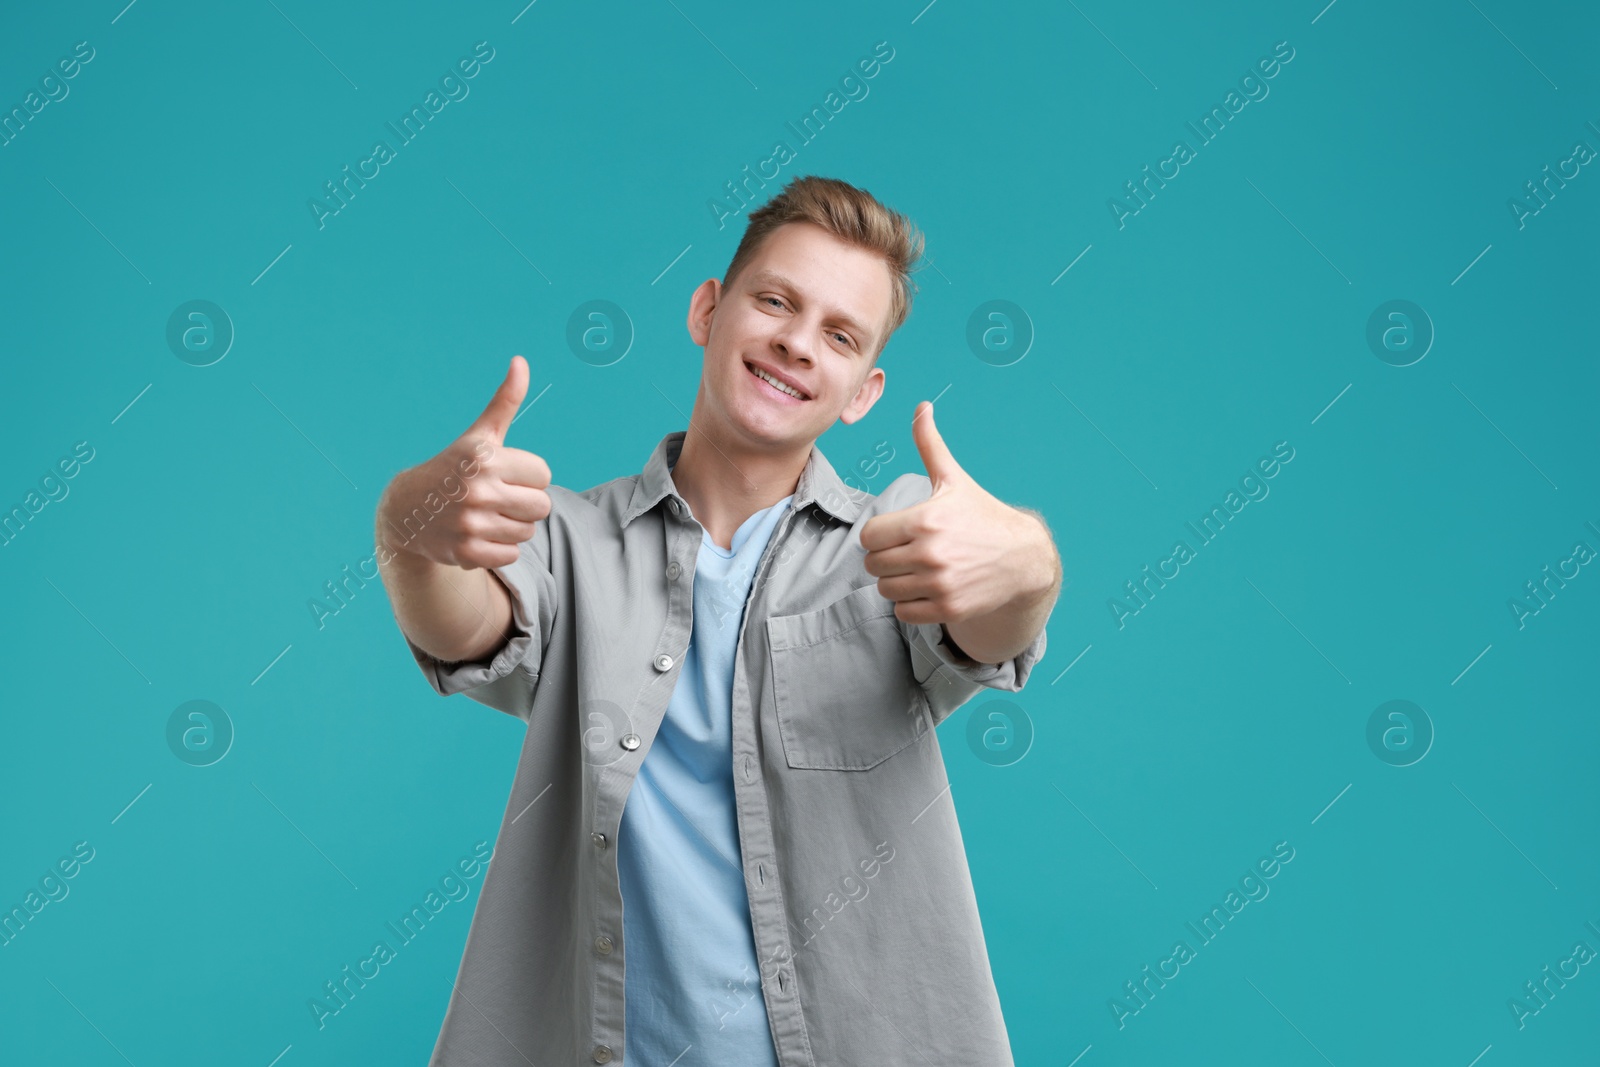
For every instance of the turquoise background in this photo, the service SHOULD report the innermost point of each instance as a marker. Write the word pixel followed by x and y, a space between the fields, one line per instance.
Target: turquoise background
pixel 1229 715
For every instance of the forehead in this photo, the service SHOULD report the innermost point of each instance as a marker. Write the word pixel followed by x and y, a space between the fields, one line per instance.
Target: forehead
pixel 840 279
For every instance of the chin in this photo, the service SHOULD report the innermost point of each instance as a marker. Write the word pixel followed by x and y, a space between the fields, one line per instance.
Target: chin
pixel 760 425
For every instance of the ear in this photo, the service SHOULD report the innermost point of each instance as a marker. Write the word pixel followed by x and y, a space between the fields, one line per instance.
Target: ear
pixel 865 397
pixel 702 305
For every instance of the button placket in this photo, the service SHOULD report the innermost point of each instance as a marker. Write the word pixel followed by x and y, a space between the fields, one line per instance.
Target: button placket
pixel 604 946
pixel 765 910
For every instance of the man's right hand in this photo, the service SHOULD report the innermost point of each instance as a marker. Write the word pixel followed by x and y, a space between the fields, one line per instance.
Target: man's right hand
pixel 493 495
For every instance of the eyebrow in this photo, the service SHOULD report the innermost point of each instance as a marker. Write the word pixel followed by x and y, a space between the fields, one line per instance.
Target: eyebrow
pixel 866 335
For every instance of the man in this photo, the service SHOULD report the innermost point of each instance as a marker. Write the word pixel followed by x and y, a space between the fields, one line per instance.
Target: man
pixel 728 840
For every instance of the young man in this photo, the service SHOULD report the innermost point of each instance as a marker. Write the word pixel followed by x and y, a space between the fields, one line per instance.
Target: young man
pixel 728 828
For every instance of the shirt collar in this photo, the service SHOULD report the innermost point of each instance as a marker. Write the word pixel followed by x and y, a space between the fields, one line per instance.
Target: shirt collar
pixel 819 484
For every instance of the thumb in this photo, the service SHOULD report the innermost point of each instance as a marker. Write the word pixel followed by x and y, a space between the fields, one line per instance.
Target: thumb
pixel 496 418
pixel 936 458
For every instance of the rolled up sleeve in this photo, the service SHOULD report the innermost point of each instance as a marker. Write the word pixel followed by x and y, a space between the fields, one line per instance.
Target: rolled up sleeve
pixel 506 681
pixel 950 679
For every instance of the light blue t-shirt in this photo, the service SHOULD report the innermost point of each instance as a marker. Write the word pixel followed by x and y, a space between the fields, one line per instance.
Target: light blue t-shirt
pixel 692 982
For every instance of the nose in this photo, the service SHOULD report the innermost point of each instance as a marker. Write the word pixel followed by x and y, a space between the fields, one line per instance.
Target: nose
pixel 792 341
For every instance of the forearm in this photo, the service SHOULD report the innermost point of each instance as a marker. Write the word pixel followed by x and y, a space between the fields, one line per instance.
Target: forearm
pixel 1003 633
pixel 451 613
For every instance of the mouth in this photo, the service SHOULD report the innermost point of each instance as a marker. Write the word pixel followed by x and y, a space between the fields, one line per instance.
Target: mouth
pixel 775 390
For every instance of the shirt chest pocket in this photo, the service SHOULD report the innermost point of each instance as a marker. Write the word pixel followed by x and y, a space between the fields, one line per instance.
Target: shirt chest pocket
pixel 846 699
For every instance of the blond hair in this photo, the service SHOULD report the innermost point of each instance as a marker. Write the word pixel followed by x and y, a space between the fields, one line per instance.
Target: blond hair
pixel 852 215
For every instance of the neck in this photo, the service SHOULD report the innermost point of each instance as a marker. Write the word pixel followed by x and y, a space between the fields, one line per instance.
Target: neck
pixel 725 483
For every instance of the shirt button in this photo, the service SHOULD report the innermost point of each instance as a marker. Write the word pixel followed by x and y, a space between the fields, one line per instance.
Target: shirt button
pixel 663 662
pixel 673 570
pixel 599 839
pixel 602 1054
pixel 602 945
pixel 630 741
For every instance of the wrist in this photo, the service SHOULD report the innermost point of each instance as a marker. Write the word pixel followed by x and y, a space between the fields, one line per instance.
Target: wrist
pixel 1042 573
pixel 389 531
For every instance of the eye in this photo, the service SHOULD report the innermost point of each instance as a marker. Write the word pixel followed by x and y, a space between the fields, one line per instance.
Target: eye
pixel 844 339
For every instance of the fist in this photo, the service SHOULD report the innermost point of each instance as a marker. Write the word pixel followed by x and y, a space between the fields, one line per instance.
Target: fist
pixel 474 503
pixel 958 555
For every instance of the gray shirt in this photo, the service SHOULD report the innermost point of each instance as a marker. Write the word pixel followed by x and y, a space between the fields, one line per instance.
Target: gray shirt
pixel 861 903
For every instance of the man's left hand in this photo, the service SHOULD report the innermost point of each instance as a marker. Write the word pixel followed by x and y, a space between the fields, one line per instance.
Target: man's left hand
pixel 961 554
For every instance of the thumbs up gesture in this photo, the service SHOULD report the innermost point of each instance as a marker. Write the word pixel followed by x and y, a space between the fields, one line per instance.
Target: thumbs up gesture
pixel 474 503
pixel 961 556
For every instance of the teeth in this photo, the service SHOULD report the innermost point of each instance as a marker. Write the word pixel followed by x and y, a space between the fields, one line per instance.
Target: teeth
pixel 780 386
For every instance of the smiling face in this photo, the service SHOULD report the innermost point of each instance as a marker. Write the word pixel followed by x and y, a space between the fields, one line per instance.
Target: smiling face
pixel 809 310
